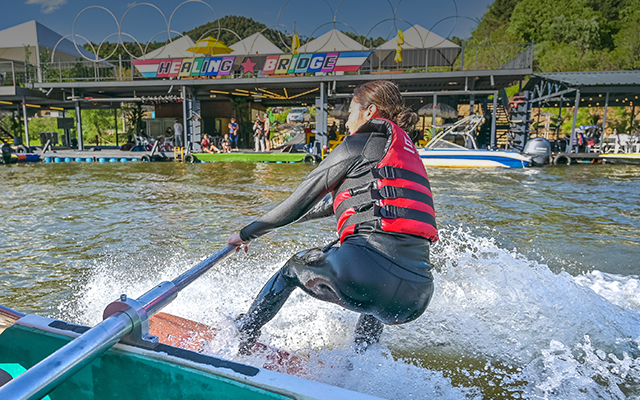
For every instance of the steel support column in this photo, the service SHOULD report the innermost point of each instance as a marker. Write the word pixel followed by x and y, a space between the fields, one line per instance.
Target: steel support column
pixel 26 122
pixel 604 118
pixel 184 116
pixel 79 126
pixel 493 120
pixel 433 115
pixel 573 125
pixel 115 123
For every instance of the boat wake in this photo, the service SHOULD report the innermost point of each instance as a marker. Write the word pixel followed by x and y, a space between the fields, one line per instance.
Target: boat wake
pixel 500 325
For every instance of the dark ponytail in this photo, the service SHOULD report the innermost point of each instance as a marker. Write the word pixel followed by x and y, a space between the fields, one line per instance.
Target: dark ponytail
pixel 386 96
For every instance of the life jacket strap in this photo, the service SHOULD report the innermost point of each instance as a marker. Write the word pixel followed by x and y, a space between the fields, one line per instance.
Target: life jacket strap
pixel 390 212
pixel 394 192
pixel 390 172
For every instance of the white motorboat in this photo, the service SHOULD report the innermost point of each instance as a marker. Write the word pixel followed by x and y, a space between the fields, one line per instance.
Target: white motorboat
pixel 442 153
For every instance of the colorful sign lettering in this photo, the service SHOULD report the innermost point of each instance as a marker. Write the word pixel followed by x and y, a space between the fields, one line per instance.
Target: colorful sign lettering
pixel 273 64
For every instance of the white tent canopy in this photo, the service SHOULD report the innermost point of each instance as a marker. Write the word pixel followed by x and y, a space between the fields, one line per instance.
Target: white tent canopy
pixel 255 44
pixel 176 49
pixel 38 38
pixel 418 37
pixel 334 40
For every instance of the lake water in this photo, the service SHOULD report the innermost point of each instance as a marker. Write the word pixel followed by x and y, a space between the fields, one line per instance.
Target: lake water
pixel 537 271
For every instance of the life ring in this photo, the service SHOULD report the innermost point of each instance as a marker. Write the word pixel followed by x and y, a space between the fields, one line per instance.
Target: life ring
pixel 145 159
pixel 189 158
pixel 309 158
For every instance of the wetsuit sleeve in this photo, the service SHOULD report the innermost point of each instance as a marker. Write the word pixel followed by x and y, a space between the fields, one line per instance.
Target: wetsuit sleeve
pixel 321 181
pixel 323 209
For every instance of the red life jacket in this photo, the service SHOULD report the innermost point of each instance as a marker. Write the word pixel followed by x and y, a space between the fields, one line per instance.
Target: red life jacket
pixel 396 193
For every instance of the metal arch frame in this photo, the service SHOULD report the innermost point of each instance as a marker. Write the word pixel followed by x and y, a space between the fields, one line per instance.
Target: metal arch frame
pixel 335 21
pixel 73 33
pixel 278 27
pixel 279 24
pixel 144 52
pixel 53 52
pixel 174 12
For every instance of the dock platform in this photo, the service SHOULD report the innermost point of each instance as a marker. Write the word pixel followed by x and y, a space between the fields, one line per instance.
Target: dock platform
pixel 250 156
pixel 577 158
pixel 102 155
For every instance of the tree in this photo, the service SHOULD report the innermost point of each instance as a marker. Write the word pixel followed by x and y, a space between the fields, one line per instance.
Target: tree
pixel 627 40
pixel 243 26
pixel 95 123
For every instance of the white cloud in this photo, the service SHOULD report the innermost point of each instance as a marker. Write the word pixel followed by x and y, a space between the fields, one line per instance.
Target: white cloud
pixel 48 6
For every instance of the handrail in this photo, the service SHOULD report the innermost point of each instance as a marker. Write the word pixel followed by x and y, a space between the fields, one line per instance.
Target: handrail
pixel 124 319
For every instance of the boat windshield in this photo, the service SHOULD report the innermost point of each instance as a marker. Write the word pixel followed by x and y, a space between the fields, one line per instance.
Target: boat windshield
pixel 464 128
pixel 440 143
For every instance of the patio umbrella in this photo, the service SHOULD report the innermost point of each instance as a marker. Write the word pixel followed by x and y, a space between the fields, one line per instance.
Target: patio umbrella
pixel 442 111
pixel 210 46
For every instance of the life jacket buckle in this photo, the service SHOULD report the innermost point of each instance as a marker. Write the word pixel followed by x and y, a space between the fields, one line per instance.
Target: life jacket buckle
pixel 387 172
pixel 388 192
pixel 389 211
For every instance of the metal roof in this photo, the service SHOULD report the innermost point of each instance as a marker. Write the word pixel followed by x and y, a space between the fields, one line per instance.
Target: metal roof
pixel 620 88
pixel 592 78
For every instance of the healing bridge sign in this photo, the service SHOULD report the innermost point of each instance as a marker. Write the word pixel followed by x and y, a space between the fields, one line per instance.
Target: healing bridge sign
pixel 273 65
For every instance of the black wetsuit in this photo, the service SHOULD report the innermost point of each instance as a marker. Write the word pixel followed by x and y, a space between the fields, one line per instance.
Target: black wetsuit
pixel 385 276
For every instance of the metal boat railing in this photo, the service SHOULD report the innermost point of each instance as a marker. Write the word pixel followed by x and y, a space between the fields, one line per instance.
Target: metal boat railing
pixel 465 127
pixel 125 320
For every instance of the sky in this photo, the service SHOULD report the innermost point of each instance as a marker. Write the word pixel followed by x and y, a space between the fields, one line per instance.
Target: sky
pixel 98 20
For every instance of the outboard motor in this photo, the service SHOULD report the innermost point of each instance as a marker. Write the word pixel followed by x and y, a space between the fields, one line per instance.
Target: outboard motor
pixel 539 149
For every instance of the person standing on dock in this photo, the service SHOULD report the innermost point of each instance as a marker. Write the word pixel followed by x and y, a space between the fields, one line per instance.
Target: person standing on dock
pixel 233 134
pixel 177 133
pixel 267 132
pixel 377 187
pixel 258 129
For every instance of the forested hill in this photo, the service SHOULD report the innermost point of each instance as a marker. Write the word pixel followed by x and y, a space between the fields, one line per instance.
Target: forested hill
pixel 246 27
pixel 569 35
pixel 243 26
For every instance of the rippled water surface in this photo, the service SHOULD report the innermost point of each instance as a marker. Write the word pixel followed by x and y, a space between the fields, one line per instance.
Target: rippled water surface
pixel 537 287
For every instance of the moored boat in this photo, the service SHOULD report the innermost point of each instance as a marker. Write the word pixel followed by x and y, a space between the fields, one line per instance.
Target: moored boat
pixel 621 158
pixel 442 153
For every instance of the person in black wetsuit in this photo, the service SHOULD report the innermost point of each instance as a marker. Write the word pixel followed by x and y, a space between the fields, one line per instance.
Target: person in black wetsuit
pixel 376 185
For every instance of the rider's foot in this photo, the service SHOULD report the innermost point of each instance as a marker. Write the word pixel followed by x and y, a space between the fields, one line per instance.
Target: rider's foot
pixel 247 334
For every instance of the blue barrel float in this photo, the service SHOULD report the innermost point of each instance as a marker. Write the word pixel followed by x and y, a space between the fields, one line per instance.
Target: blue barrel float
pixel 56 159
pixel 78 159
pixel 88 159
pixel 47 160
pixel 102 159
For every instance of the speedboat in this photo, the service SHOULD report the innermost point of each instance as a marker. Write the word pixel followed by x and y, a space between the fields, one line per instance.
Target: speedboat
pixel 443 153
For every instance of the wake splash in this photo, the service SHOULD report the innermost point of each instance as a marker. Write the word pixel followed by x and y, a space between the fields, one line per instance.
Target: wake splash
pixel 499 326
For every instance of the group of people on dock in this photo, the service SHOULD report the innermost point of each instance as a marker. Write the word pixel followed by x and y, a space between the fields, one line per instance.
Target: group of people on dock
pixel 209 147
pixel 262 133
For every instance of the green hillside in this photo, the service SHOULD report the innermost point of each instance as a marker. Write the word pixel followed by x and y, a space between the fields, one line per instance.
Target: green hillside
pixel 569 35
